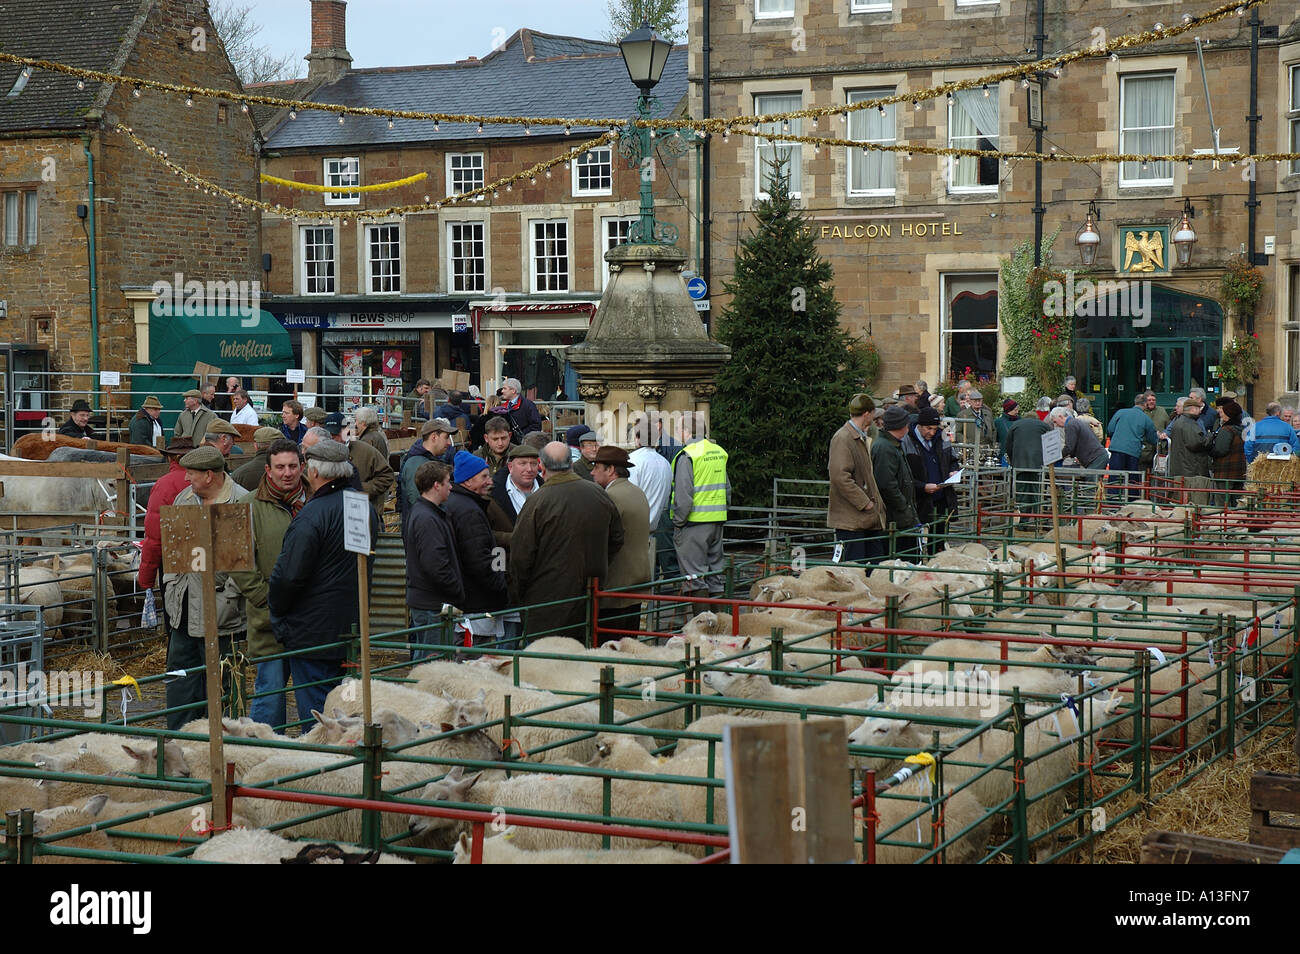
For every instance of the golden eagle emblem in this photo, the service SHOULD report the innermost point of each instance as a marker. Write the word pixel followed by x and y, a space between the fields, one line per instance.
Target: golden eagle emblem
pixel 1150 248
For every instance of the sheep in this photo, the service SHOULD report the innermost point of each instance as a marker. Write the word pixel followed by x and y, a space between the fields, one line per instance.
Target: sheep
pixel 256 846
pixel 501 850
pixel 741 683
pixel 960 811
pixel 714 724
pixel 98 810
pixel 993 789
pixel 536 743
pixel 139 753
pixel 417 705
pixel 575 794
pixel 1020 672
pixel 803 652
pixel 39 587
pixel 19 793
pixel 619 753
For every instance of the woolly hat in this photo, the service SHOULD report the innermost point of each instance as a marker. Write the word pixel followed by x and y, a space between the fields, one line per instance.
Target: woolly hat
pixel 203 458
pixel 466 466
pixel 1233 410
pixel 927 415
pixel 333 423
pixel 861 404
pixel 895 418
pixel 327 450
pixel 1008 406
pixel 575 434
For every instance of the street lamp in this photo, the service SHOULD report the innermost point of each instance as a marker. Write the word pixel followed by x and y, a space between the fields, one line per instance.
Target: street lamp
pixel 644 55
pixel 1088 238
pixel 1185 237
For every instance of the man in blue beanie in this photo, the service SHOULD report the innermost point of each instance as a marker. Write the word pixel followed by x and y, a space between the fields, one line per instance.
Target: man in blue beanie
pixel 482 563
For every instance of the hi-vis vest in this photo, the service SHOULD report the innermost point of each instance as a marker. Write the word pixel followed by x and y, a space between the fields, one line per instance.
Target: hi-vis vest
pixel 709 475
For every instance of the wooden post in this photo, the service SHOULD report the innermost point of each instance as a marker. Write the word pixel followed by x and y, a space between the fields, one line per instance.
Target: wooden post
pixel 123 485
pixel 108 412
pixel 1058 596
pixel 212 664
pixel 364 593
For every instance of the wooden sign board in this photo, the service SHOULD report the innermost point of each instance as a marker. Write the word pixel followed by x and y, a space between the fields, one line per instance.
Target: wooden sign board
pixel 232 538
pixel 454 380
pixel 787 793
pixel 204 371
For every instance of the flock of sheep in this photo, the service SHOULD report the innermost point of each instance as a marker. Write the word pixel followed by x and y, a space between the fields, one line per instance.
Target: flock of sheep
pixel 445 725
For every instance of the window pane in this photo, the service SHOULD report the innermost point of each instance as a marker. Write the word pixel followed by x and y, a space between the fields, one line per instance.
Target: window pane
pixel 774 7
pixel 385 258
pixel 342 173
pixel 30 222
pixel 1147 125
pixel 11 218
pixel 973 124
pixel 594 171
pixel 1295 87
pixel 970 324
pixel 871 170
pixel 551 256
pixel 787 155
pixel 466 172
pixel 318 260
pixel 468 259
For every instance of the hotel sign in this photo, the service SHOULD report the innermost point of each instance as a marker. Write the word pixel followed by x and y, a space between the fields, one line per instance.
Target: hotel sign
pixel 892 229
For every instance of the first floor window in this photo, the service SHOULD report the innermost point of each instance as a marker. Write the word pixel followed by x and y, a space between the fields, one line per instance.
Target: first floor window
pixel 467 255
pixel 551 256
pixel 1293 333
pixel 593 173
pixel 30 230
pixel 871 172
pixel 384 258
pixel 11 218
pixel 1295 117
pixel 318 260
pixel 464 172
pixel 973 124
pixel 617 232
pixel 1146 127
pixel 339 174
pixel 778 157
pixel 764 9
pixel 970 325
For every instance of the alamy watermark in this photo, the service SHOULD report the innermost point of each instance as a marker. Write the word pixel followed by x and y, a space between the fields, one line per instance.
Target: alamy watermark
pixel 64 688
pixel 1085 298
pixel 194 298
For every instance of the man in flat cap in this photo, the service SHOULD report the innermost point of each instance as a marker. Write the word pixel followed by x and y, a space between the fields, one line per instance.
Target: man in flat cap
pixel 894 479
pixel 165 491
pixel 312 594
pixel 314 416
pixel 517 481
pixel 222 435
pixel 249 475
pixel 373 469
pixel 194 420
pixel 633 565
pixel 855 510
pixel 435 440
pixel 183 595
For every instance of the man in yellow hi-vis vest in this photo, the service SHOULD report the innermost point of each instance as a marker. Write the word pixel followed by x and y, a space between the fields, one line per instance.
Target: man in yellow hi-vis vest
pixel 700 496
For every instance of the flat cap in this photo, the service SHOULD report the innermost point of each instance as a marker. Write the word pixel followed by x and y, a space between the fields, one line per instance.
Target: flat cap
pixel 327 450
pixel 180 446
pixel 440 424
pixel 194 393
pixel 203 458
pixel 315 414
pixel 523 450
pixel 221 426
pixel 264 435
pixel 861 404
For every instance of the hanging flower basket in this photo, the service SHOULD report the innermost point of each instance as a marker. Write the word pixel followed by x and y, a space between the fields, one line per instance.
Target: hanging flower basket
pixel 1239 362
pixel 1241 287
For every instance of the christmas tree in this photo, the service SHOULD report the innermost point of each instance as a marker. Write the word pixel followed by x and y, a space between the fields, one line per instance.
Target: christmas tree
pixel 793 369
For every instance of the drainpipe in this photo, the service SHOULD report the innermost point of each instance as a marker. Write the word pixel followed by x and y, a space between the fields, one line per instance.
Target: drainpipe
pixel 705 219
pixel 1252 202
pixel 90 254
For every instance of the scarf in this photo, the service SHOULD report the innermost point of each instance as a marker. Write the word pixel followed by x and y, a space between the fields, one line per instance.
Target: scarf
pixel 291 500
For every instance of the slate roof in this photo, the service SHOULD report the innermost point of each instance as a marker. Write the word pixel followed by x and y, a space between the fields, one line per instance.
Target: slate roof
pixel 531 74
pixel 92 34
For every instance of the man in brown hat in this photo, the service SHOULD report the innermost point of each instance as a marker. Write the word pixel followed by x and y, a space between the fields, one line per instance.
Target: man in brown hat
pixel 78 423
pixel 194 420
pixel 633 565
pixel 435 438
pixel 165 490
pixel 910 399
pixel 249 475
pixel 183 595
pixel 145 428
pixel 855 510
pixel 222 435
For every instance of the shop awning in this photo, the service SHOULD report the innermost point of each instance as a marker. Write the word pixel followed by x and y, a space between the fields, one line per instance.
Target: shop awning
pixel 257 344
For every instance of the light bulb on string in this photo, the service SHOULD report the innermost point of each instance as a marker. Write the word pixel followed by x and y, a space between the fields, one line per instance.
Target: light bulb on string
pixel 1024 81
pixel 136 92
pixel 243 107
pixel 480 129
pixel 81 84
pixel 986 90
pixel 916 105
pixel 1187 18
pixel 882 109
pixel 340 119
pixel 437 127
pixel 1159 27
pixel 293 114
pixel 1114 57
pixel 189 102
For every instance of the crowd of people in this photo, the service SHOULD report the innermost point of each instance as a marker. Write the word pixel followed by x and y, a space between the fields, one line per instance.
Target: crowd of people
pixel 519 521
pixel 892 469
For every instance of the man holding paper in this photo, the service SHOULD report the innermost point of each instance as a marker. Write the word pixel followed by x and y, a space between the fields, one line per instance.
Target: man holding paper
pixel 933 465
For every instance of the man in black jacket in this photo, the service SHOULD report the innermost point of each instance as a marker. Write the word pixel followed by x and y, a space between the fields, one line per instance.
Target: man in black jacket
pixel 434 583
pixel 482 562
pixel 932 462
pixel 517 480
pixel 521 412
pixel 894 480
pixel 78 423
pixel 313 595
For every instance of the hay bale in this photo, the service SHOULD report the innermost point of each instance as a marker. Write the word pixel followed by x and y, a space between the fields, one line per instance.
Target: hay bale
pixel 1265 476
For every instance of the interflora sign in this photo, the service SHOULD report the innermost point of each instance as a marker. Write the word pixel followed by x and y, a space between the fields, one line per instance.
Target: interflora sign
pixel 245 349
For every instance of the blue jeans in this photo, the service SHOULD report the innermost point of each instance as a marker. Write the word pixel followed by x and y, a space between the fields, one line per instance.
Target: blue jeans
pixel 272 676
pixel 431 635
pixel 329 672
pixel 1120 461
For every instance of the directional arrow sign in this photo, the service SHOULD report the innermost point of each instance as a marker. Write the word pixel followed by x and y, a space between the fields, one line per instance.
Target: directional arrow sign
pixel 697 288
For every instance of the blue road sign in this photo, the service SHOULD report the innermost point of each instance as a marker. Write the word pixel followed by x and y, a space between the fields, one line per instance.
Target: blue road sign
pixel 697 288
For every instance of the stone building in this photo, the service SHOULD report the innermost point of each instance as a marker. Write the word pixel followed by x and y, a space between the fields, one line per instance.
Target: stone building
pixel 494 287
pixel 916 242
pixel 69 184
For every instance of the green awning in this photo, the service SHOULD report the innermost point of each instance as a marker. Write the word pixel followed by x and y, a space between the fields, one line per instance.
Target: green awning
pixel 257 344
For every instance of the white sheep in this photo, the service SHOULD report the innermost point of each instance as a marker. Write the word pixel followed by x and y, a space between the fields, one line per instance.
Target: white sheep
pixel 744 683
pixel 502 850
pixel 256 846
pixel 39 587
pixel 960 811
pixel 163 819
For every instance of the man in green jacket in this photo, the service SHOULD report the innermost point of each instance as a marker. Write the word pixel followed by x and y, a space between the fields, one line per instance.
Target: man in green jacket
pixel 276 501
pixel 894 481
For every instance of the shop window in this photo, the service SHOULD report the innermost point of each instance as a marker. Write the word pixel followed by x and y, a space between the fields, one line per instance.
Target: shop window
pixel 384 258
pixel 318 260
pixel 1146 108
pixel 467 256
pixel 773 9
pixel 871 171
pixel 774 155
pixel 593 172
pixel 464 173
pixel 550 255
pixel 616 231
pixel 973 124
pixel 339 174
pixel 970 325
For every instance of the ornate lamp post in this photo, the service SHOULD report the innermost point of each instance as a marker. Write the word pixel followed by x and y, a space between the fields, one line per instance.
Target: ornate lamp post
pixel 644 55
pixel 1088 238
pixel 1184 236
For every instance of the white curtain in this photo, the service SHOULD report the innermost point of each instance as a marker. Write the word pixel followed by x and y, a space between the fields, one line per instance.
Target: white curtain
pixel 974 117
pixel 30 224
pixel 1148 124
pixel 11 218
pixel 787 153
pixel 871 170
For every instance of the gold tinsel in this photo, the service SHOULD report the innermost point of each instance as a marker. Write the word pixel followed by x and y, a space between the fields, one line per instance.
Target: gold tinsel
pixel 376 187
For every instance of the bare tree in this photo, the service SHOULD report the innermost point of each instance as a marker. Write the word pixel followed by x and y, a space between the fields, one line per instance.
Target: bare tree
pixel 254 62
pixel 668 17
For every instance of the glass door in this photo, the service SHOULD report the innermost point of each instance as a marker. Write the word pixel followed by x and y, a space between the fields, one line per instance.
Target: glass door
pixel 1167 369
pixel 1121 367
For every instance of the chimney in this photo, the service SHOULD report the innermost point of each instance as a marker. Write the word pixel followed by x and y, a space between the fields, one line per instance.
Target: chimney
pixel 328 59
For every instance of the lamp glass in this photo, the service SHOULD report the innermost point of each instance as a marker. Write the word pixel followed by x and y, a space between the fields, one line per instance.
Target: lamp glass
pixel 1183 240
pixel 645 54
